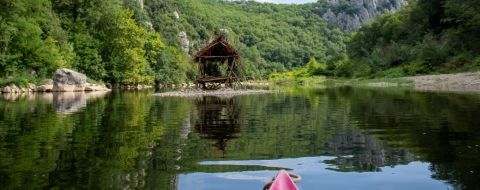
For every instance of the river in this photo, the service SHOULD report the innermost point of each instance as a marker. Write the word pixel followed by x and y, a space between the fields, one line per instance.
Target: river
pixel 335 138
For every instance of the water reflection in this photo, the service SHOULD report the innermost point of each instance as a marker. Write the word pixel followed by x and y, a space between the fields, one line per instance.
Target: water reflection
pixel 71 102
pixel 64 102
pixel 218 119
pixel 374 139
pixel 359 152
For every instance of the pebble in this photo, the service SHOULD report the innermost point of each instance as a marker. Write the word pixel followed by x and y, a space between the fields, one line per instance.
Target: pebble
pixel 221 92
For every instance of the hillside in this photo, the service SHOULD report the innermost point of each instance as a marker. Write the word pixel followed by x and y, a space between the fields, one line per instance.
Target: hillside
pixel 271 37
pixel 426 36
pixel 350 15
pixel 149 41
pixel 99 38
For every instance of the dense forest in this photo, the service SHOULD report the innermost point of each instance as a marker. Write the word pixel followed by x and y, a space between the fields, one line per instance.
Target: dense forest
pixel 132 42
pixel 151 41
pixel 424 37
pixel 270 37
pixel 99 38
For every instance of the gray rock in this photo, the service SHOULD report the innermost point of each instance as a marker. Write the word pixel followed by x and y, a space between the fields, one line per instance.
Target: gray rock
pixel 140 3
pixel 330 17
pixel 363 15
pixel 44 88
pixel 149 25
pixel 96 87
pixel 31 87
pixel 23 90
pixel 366 10
pixel 357 3
pixel 66 80
pixel 176 15
pixel 11 89
pixel 7 89
pixel 184 42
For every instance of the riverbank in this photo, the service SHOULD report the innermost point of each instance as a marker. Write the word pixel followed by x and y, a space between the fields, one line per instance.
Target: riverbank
pixel 455 82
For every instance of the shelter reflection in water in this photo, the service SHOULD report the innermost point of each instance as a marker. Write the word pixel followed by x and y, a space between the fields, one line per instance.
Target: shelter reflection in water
pixel 219 119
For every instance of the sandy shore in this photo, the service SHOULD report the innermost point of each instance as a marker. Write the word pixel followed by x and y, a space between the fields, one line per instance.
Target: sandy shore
pixel 224 92
pixel 459 82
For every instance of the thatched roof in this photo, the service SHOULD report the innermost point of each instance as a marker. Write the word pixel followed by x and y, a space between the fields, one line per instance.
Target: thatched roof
pixel 217 50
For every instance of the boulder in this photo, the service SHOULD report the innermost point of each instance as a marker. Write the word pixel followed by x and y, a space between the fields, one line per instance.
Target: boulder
pixel 7 89
pixel 31 87
pixel 184 42
pixel 44 88
pixel 23 90
pixel 66 80
pixel 176 15
pixel 11 89
pixel 96 87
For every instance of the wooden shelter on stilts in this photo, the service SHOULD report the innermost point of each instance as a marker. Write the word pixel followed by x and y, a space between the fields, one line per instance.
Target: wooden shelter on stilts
pixel 218 64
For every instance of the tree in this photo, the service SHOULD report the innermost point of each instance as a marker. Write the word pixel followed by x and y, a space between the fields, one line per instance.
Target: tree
pixel 126 43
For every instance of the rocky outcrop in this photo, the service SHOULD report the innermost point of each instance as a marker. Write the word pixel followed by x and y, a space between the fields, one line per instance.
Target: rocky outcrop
pixel 15 89
pixel 44 88
pixel 184 42
pixel 176 15
pixel 95 87
pixel 141 3
pixel 135 87
pixel 11 89
pixel 66 80
pixel 351 14
pixel 47 87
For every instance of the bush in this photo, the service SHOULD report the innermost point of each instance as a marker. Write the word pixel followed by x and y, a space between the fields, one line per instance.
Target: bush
pixel 20 80
pixel 417 67
pixel 431 51
pixel 343 68
pixel 459 61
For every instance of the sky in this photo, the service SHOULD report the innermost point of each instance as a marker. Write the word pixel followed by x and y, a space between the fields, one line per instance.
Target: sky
pixel 287 1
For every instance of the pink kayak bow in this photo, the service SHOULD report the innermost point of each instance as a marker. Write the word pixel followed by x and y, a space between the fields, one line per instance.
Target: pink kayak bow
pixel 283 181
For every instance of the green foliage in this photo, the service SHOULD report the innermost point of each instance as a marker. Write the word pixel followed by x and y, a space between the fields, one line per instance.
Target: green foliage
pixel 313 67
pixel 272 38
pixel 171 67
pixel 126 44
pixel 425 36
pixel 31 39
pixel 107 40
pixel 88 59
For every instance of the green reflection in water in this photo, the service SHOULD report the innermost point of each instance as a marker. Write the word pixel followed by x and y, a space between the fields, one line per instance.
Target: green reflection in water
pixel 134 140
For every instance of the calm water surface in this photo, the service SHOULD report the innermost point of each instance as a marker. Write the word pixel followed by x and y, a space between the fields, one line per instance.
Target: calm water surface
pixel 335 138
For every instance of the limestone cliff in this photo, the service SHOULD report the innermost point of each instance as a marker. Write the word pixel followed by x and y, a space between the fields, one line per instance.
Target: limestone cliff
pixel 349 15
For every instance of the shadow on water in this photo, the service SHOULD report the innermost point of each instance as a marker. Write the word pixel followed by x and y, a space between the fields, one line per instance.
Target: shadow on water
pixel 375 139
